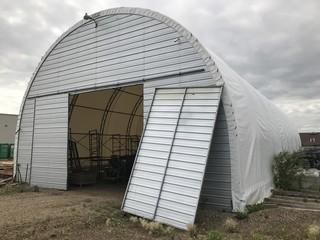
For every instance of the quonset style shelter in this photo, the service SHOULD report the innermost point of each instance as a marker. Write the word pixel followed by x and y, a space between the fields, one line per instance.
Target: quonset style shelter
pixel 208 138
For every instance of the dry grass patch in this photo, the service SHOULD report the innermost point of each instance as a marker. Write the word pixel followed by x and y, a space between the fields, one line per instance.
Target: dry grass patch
pixel 81 215
pixel 313 232
pixel 192 230
pixel 231 225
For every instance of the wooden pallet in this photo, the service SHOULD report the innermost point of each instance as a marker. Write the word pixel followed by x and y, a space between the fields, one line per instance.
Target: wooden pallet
pixel 296 200
pixel 6 168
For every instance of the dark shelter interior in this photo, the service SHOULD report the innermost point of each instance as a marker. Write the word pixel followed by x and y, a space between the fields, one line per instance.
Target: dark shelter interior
pixel 105 127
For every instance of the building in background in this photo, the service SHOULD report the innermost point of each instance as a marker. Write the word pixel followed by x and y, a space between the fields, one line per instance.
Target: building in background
pixel 310 139
pixel 8 123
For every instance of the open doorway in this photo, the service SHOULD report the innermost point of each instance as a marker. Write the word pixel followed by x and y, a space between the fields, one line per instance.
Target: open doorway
pixel 105 127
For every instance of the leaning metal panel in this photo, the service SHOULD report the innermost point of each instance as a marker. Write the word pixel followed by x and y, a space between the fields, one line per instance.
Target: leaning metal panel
pixel 167 177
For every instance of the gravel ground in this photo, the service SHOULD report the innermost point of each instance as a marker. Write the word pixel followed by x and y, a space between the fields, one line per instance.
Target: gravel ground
pixel 93 213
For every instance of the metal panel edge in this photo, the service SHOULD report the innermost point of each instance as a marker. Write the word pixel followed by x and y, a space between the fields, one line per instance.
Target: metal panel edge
pixel 213 127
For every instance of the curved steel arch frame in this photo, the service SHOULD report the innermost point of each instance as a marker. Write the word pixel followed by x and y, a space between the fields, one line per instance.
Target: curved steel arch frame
pixel 106 114
pixel 107 111
pixel 133 114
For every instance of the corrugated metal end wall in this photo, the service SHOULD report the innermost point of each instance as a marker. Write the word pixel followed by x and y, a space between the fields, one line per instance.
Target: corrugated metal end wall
pixel 216 189
pixel 123 48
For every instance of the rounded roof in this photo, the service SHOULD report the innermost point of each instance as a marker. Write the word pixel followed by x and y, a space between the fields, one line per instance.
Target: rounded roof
pixel 210 64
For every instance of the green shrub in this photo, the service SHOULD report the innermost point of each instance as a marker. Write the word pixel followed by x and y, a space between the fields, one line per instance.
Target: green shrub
pixel 285 168
pixel 242 215
pixel 214 235
pixel 255 207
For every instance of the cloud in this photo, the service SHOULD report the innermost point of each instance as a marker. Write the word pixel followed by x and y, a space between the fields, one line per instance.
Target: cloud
pixel 273 44
pixel 303 111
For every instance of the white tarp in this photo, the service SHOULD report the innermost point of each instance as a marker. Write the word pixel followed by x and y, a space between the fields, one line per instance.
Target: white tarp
pixel 260 130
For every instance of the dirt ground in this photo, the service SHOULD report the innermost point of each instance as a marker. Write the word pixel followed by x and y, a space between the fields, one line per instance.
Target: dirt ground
pixel 93 213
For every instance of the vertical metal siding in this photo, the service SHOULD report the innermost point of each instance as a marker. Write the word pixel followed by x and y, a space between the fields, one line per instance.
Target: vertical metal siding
pixel 24 147
pixel 167 177
pixel 216 189
pixel 49 156
pixel 150 165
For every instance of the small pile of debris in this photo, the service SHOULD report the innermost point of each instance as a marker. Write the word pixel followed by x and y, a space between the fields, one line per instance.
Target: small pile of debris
pixel 6 169
pixel 5 181
pixel 311 172
pixel 303 200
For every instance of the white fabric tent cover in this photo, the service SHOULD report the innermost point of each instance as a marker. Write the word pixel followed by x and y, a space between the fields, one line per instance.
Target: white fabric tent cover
pixel 260 130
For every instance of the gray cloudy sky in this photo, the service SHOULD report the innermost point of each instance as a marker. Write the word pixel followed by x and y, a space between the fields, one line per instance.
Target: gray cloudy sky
pixel 274 44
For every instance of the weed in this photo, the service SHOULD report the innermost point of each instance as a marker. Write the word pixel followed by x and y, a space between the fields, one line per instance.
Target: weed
pixel 255 207
pixel 313 232
pixel 12 188
pixel 231 225
pixel 258 236
pixel 168 230
pixel 55 193
pixel 36 188
pixel 242 215
pixel 133 219
pixel 214 235
pixel 108 222
pixel 192 229
pixel 155 228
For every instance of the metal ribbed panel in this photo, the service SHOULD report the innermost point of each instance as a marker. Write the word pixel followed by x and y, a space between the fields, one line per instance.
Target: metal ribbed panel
pixel 150 165
pixel 167 177
pixel 49 161
pixel 184 176
pixel 192 80
pixel 124 48
pixel 216 189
